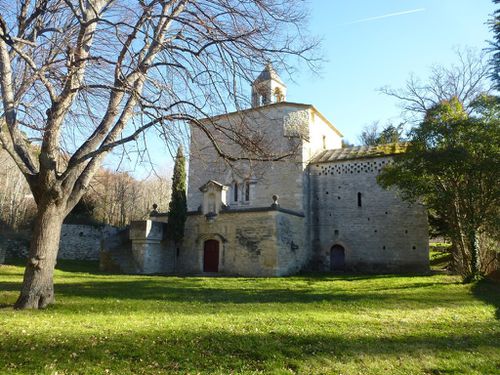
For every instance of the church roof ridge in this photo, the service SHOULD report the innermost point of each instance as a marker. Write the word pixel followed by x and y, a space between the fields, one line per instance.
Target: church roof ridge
pixel 303 105
pixel 360 152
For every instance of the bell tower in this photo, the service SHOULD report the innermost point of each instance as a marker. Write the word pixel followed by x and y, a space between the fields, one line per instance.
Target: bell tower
pixel 268 88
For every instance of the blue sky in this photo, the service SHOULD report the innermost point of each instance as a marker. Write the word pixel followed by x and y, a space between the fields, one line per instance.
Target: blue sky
pixel 373 43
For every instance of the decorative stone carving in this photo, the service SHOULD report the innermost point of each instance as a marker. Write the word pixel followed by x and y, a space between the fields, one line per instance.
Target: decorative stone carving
pixel 296 124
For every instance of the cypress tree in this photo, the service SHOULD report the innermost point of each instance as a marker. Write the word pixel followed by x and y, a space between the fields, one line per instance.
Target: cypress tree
pixel 177 208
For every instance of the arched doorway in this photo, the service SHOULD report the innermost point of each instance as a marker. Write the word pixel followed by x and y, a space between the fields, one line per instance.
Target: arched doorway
pixel 337 259
pixel 211 256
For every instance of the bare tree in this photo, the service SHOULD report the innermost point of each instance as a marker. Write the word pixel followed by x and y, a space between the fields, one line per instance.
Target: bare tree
pixel 369 134
pixel 84 77
pixel 373 135
pixel 465 80
pixel 116 198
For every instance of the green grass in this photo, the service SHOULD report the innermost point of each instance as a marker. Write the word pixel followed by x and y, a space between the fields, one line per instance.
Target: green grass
pixel 113 324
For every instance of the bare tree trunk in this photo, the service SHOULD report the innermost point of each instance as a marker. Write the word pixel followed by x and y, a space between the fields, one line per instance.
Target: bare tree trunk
pixel 38 286
pixel 474 255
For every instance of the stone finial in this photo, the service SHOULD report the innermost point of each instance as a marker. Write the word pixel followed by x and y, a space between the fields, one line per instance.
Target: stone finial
pixel 275 201
pixel 155 210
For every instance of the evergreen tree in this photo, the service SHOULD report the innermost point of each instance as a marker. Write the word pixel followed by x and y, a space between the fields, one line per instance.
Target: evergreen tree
pixel 495 47
pixel 177 208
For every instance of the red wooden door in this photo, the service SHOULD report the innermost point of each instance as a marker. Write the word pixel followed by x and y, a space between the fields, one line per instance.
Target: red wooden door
pixel 211 256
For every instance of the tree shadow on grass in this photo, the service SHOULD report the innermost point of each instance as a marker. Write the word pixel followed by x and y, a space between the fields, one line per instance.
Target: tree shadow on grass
pixel 219 351
pixel 488 291
pixel 6 286
pixel 75 266
pixel 168 293
pixel 79 266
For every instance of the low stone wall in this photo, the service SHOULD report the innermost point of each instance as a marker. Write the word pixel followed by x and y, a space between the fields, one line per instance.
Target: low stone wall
pixel 78 242
pixel 14 248
pixel 83 242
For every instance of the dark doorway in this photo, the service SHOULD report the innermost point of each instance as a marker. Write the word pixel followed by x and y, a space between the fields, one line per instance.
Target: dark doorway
pixel 211 256
pixel 337 259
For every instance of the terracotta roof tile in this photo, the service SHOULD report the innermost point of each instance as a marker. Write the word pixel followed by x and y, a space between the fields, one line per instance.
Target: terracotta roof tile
pixel 359 152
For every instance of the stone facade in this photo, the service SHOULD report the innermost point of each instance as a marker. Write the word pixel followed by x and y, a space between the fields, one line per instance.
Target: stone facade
pixel 252 242
pixel 318 208
pixel 379 232
pixel 277 125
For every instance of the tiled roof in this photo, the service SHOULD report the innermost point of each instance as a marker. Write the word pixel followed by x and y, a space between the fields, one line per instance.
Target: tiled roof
pixel 359 152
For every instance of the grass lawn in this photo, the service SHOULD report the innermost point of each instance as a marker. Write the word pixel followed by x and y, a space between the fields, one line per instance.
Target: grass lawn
pixel 112 324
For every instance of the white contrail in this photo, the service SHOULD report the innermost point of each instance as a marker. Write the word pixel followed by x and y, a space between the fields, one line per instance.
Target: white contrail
pixel 387 16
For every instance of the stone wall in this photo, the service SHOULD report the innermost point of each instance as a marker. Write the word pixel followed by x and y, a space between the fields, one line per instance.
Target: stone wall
pixel 78 242
pixel 263 242
pixel 14 247
pixel 293 249
pixel 151 253
pixel 83 242
pixel 381 233
pixel 141 249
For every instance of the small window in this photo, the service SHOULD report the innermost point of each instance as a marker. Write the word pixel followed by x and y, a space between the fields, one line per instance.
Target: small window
pixel 324 142
pixel 235 191
pixel 247 191
pixel 359 200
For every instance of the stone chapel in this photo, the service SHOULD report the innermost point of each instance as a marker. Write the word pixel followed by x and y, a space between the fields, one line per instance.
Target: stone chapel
pixel 317 209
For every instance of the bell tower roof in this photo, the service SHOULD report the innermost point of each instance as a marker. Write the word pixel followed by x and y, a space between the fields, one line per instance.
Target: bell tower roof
pixel 268 74
pixel 268 88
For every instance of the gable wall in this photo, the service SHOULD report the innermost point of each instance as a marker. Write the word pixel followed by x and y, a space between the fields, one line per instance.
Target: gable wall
pixel 284 178
pixel 318 129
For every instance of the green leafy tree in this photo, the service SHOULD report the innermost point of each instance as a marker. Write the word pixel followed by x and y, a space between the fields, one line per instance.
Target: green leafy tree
pixel 177 208
pixel 453 165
